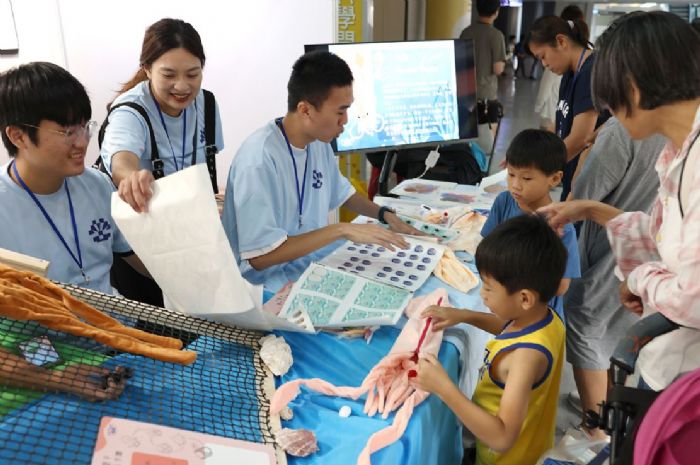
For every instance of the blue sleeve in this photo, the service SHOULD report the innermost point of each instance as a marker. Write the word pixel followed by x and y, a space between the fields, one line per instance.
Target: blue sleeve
pixel 249 207
pixel 342 188
pixel 573 262
pixel 219 130
pixel 126 131
pixel 495 215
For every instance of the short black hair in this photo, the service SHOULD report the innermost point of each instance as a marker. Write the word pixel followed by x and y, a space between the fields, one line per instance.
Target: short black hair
pixel 537 148
pixel 656 50
pixel 314 75
pixel 523 252
pixel 38 91
pixel 486 8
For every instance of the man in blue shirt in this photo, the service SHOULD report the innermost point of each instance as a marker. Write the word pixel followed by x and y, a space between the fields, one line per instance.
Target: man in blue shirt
pixel 52 207
pixel 285 180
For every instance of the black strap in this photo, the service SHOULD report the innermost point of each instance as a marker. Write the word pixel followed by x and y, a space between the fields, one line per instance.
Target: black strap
pixel 210 149
pixel 680 181
pixel 156 162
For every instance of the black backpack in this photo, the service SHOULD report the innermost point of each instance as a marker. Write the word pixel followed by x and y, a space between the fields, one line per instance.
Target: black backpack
pixel 157 164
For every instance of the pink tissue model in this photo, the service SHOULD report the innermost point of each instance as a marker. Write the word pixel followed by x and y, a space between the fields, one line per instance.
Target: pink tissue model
pixel 387 384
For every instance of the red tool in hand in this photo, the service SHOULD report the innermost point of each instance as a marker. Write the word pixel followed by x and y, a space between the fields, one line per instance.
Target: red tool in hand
pixel 414 358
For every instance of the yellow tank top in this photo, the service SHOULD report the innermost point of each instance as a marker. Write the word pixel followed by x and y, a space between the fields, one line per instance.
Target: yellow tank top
pixel 537 433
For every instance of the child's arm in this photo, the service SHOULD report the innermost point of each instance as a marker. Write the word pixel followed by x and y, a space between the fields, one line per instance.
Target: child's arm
pixel 447 316
pixel 500 431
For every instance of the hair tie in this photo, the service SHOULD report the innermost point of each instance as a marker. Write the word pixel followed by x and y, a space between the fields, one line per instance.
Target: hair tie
pixel 571 24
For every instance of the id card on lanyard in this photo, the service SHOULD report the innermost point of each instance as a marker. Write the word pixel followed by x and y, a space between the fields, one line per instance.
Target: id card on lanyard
pixel 564 127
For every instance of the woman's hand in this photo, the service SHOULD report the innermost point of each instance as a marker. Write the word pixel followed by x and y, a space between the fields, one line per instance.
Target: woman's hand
pixel 135 190
pixel 559 214
pixel 631 301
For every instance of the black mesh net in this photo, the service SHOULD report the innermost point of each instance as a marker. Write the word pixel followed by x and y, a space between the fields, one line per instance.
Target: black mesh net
pixel 55 388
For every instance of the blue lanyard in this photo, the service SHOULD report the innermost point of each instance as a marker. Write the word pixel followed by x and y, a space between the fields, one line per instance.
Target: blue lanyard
pixel 570 96
pixel 79 259
pixel 300 195
pixel 184 131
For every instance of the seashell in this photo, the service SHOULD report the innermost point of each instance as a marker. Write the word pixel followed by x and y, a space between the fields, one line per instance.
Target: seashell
pixel 297 442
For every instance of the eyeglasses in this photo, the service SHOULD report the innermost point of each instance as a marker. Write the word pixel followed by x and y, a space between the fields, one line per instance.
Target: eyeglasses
pixel 73 133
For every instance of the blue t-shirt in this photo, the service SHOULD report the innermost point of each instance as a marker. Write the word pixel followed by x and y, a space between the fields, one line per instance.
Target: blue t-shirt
pixel 25 229
pixel 504 208
pixel 261 208
pixel 127 131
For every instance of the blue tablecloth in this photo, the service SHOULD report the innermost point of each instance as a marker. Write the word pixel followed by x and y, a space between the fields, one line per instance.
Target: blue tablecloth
pixel 433 435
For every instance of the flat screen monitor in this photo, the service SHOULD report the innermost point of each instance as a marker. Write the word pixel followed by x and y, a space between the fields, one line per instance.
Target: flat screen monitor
pixel 408 94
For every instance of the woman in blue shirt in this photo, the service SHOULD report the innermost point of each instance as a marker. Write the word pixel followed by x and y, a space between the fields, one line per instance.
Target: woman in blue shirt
pixel 563 47
pixel 167 87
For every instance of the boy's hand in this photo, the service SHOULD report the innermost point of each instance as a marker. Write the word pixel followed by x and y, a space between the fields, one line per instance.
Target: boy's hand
pixel 430 375
pixel 443 317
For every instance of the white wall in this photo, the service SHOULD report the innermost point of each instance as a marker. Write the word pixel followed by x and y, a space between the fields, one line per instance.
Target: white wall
pixel 250 48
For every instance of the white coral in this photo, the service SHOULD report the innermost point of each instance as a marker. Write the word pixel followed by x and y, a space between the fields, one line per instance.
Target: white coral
pixel 276 354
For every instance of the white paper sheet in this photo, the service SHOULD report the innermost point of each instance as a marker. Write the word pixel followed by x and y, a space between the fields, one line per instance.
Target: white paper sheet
pixel 495 179
pixel 182 243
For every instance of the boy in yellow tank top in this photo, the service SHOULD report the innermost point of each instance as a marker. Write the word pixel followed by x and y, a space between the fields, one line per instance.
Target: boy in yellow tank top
pixel 513 410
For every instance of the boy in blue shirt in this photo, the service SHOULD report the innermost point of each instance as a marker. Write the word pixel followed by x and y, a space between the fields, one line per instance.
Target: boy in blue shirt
pixel 535 162
pixel 52 207
pixel 284 181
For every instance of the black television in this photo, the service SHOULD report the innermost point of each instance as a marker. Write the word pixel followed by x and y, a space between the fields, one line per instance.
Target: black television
pixel 408 94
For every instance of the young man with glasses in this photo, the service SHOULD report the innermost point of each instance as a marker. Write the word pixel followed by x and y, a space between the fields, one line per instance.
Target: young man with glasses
pixel 51 206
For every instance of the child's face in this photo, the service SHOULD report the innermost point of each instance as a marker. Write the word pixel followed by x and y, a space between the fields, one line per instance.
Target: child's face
pixel 497 298
pixel 530 187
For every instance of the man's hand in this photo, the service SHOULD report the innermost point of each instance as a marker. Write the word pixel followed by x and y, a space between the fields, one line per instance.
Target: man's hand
pixel 373 234
pixel 396 225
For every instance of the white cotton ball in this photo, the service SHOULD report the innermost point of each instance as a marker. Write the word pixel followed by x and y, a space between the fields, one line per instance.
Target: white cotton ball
pixel 345 411
pixel 276 354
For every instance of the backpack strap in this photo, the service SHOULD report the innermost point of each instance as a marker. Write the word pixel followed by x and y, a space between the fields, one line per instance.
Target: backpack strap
pixel 156 162
pixel 210 149
pixel 680 181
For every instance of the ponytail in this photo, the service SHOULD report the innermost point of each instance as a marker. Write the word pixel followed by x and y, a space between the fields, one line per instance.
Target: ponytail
pixel 138 78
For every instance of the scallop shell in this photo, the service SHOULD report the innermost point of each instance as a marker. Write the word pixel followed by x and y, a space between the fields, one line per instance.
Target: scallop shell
pixel 297 442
